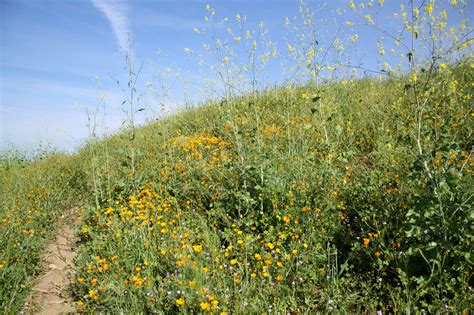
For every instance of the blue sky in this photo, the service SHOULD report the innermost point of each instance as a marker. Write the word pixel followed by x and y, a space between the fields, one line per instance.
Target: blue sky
pixel 58 58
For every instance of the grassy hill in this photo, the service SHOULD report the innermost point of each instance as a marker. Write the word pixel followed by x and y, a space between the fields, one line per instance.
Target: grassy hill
pixel 352 196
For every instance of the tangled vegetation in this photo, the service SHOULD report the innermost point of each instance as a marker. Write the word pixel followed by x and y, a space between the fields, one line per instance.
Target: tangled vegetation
pixel 353 195
pixel 301 199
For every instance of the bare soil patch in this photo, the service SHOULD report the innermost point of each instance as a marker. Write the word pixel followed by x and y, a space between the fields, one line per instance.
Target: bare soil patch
pixel 49 294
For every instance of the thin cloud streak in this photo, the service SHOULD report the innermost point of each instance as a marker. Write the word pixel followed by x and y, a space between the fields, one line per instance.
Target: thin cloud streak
pixel 115 12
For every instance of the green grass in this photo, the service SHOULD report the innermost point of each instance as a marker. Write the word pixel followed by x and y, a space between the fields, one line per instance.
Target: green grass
pixel 298 199
pixel 32 194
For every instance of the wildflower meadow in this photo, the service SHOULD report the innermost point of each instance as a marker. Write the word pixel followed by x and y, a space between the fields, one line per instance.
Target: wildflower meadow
pixel 341 190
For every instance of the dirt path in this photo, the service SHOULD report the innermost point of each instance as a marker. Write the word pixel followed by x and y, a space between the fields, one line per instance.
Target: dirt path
pixel 49 294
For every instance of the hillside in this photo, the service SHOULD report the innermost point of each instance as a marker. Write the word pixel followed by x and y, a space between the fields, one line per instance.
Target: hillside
pixel 352 196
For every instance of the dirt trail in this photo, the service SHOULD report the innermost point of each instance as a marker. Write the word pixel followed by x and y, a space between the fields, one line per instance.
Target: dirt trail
pixel 49 294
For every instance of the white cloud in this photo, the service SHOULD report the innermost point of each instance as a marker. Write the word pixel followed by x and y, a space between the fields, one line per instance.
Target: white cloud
pixel 115 12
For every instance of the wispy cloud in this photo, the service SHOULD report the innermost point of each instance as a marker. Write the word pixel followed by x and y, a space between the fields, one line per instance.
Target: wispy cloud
pixel 116 13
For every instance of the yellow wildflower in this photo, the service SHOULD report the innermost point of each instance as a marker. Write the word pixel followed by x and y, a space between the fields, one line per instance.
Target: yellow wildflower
pixel 352 5
pixel 429 8
pixel 205 306
pixel 197 248
pixel 369 20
